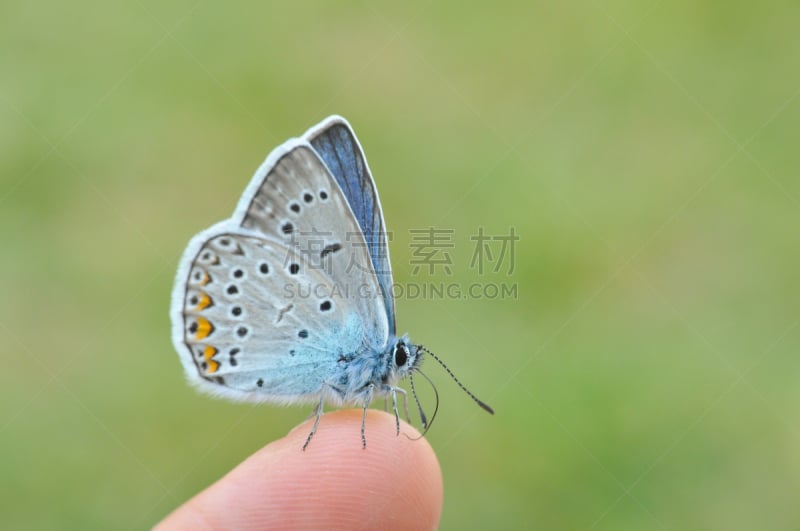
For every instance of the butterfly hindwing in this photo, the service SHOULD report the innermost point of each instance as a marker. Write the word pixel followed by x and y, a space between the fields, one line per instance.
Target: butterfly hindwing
pixel 337 145
pixel 256 326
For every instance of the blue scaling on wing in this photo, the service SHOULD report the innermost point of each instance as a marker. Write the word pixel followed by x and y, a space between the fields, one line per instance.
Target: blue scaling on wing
pixel 336 143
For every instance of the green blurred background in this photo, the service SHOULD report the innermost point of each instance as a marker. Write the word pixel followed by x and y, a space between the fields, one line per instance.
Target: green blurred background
pixel 645 153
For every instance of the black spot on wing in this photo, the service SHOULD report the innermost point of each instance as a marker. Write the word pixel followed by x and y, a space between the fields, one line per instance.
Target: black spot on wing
pixel 328 249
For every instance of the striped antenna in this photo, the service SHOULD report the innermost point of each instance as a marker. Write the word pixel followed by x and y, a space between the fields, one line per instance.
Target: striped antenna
pixel 481 403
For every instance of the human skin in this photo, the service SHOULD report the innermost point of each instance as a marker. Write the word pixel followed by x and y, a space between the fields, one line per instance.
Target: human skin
pixel 393 483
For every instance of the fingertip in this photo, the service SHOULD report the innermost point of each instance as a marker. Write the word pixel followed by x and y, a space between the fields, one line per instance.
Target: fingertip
pixel 395 479
pixel 395 482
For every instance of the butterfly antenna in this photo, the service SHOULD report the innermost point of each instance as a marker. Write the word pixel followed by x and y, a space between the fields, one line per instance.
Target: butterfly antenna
pixel 483 405
pixel 425 424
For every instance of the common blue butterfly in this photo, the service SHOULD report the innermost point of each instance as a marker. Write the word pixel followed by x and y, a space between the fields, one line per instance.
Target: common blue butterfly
pixel 290 300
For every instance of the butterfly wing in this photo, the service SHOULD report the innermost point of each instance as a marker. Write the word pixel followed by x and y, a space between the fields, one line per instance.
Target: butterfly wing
pixel 299 202
pixel 266 304
pixel 256 326
pixel 335 141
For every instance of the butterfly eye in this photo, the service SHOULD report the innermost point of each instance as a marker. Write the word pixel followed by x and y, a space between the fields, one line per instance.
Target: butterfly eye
pixel 400 355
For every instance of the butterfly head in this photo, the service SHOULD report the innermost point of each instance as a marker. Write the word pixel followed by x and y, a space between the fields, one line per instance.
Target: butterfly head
pixel 405 357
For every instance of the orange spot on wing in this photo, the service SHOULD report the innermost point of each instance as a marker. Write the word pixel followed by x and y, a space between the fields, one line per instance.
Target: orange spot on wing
pixel 205 302
pixel 206 279
pixel 209 365
pixel 209 352
pixel 204 328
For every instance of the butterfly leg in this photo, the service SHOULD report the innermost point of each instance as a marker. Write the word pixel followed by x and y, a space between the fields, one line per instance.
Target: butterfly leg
pixel 367 401
pixel 318 412
pixel 392 391
pixel 405 401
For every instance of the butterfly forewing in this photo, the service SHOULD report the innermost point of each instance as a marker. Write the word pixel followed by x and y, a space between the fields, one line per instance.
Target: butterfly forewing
pixel 299 203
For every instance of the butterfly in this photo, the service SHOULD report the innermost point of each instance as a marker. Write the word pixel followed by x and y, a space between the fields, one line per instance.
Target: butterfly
pixel 290 300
